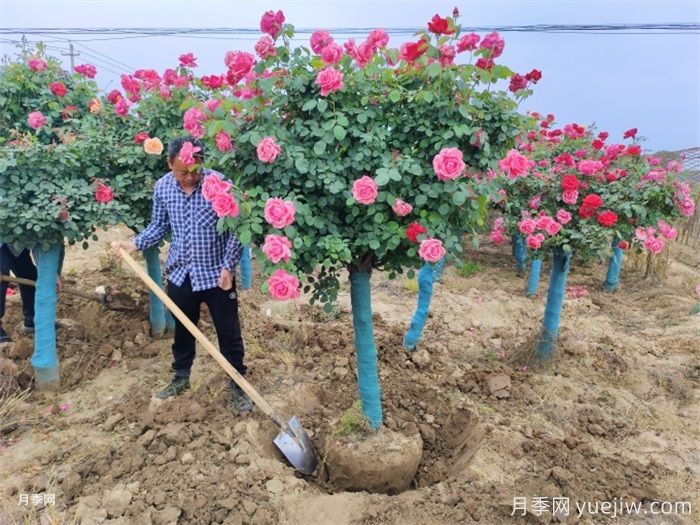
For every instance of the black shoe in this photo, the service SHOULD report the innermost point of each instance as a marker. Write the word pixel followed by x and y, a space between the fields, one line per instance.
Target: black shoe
pixel 176 387
pixel 4 336
pixel 28 329
pixel 240 399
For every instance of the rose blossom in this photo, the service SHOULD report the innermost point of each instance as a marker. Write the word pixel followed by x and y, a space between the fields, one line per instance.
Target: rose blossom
pixel 401 208
pixel 283 285
pixel 213 185
pixel 527 226
pixel 103 194
pixel 563 216
pixel 36 120
pixel 365 190
pixel 153 146
pixel 515 164
pixel 329 80
pixel 277 248
pixel 265 47
pixel 332 54
pixel 279 213
pixel 431 250
pixel 268 150
pixel 271 22
pixel 534 242
pixel 187 154
pixel 569 197
pixel 414 230
pixel 448 164
pixel 224 205
pixel 319 40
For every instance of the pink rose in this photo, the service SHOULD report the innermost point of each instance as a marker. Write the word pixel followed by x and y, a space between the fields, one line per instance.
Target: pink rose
pixel 527 226
pixel 36 120
pixel 497 237
pixel 553 228
pixel 365 190
pixel 213 185
pixel 364 53
pixel 240 63
pixel 265 47
pixel 224 205
pixel 223 141
pixel 279 213
pixel 187 154
pixel 213 104
pixel 283 285
pixel 448 164
pixel 667 230
pixel 319 40
pixel 401 208
pixel 277 248
pixel 378 37
pixel 535 202
pixel 447 55
pixel 654 244
pixel 268 150
pixel 431 250
pixel 332 54
pixel 495 43
pixel 468 43
pixel 121 108
pixel 589 167
pixel 271 23
pixel 329 80
pixel 534 242
pixel 514 165
pixel 103 194
pixel 37 64
pixel 563 216
pixel 87 70
pixel 544 221
pixel 569 196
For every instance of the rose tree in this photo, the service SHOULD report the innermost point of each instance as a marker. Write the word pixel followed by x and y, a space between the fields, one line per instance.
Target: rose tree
pixel 337 145
pixel 567 191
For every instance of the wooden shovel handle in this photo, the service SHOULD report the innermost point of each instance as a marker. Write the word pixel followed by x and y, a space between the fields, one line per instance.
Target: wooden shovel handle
pixel 197 333
pixel 28 282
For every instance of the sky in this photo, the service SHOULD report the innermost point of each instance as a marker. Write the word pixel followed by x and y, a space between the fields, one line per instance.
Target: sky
pixel 647 81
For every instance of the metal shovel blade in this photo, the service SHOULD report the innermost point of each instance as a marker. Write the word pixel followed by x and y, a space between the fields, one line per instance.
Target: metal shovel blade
pixel 296 445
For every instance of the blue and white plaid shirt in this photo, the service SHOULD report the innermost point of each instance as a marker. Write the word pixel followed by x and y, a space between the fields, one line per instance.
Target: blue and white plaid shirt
pixel 196 248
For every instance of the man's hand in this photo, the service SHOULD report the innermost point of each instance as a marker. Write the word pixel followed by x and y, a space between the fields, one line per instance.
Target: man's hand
pixel 128 246
pixel 226 279
pixel 59 285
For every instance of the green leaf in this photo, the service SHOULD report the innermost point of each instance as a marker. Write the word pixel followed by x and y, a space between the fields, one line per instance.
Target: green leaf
pixel 322 105
pixel 309 105
pixel 394 96
pixel 421 200
pixel 339 132
pixel 428 96
pixel 320 147
pixel 245 237
pixel 362 118
pixel 434 69
pixel 374 244
pixel 459 197
pixel 302 165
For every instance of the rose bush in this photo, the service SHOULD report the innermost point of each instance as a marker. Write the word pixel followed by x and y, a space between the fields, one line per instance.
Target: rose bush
pixel 358 129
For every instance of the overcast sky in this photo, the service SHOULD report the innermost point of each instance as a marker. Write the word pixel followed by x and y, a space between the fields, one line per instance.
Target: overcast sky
pixel 647 81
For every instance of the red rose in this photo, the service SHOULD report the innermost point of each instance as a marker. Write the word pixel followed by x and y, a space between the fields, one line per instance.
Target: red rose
pixel 114 96
pixel 630 133
pixel 58 88
pixel 414 230
pixel 603 135
pixel 634 150
pixel 623 245
pixel 411 51
pixel 598 144
pixel 570 183
pixel 68 112
pixel 534 76
pixel 607 218
pixel 440 26
pixel 590 205
pixel 140 137
pixel 103 194
pixel 517 83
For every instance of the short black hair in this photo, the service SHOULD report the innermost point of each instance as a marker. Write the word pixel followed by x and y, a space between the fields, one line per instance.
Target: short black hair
pixel 176 144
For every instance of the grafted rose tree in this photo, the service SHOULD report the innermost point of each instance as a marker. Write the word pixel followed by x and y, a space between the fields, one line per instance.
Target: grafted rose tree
pixel 337 147
pixel 567 191
pixel 53 177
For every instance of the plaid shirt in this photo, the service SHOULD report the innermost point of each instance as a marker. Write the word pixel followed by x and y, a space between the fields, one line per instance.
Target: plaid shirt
pixel 196 248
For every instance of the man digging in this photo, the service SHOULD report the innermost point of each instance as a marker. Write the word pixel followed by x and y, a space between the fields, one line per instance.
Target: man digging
pixel 200 266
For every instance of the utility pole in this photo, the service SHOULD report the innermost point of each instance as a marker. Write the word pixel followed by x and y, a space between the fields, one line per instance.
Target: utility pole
pixel 72 54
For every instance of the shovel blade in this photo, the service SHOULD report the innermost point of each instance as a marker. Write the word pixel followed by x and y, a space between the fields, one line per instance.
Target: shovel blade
pixel 296 445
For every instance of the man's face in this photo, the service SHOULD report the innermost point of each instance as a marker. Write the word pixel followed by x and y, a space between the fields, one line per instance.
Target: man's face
pixel 187 176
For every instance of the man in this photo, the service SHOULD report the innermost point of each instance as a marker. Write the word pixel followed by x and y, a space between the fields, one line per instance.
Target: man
pixel 200 267
pixel 20 263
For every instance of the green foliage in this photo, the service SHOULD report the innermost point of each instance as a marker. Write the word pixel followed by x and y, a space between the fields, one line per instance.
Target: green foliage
pixel 386 122
pixel 469 268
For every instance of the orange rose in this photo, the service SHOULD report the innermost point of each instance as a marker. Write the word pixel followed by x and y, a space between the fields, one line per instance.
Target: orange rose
pixel 95 105
pixel 153 146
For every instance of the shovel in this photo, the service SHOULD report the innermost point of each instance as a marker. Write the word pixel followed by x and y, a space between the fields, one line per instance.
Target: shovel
pixel 107 300
pixel 293 441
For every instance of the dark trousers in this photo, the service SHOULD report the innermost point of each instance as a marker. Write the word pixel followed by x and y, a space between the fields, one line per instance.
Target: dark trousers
pixel 223 307
pixel 22 266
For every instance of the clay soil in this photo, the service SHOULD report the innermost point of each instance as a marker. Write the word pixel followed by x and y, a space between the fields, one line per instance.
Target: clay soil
pixel 614 416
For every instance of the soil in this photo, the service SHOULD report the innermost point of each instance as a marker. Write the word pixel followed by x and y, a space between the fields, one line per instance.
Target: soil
pixel 613 416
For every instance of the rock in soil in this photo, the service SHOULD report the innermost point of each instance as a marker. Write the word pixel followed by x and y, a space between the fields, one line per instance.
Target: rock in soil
pixel 384 462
